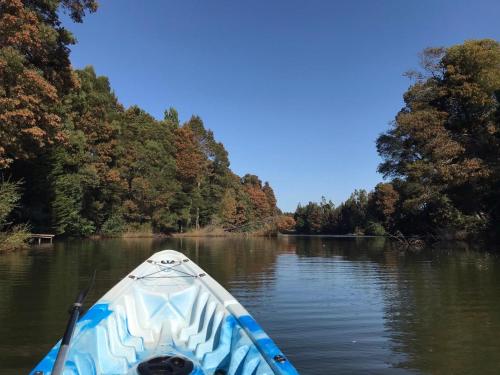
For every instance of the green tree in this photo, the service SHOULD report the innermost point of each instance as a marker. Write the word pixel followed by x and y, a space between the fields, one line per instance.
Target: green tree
pixel 309 219
pixel 271 198
pixel 85 178
pixel 353 213
pixel 216 176
pixel 11 237
pixel 146 165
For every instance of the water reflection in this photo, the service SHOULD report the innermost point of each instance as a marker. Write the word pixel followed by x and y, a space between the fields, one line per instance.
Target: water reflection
pixel 334 305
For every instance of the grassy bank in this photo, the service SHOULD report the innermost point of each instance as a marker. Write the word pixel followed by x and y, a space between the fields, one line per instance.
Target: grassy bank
pixel 14 239
pixel 216 231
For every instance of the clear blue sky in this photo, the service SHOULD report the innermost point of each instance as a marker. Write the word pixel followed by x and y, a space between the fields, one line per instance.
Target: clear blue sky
pixel 297 91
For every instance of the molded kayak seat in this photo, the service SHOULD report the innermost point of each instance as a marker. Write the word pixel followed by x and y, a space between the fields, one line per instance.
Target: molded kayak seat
pixel 169 316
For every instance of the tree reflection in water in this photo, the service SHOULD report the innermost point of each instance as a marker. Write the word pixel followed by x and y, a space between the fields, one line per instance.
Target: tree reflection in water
pixel 349 305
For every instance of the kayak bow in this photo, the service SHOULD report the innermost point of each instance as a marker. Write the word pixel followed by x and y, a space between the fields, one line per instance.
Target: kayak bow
pixel 168 316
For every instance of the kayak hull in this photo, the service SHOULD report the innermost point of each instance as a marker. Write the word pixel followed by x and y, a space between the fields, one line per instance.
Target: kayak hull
pixel 168 306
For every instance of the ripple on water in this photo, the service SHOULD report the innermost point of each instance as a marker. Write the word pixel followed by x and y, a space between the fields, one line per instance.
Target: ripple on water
pixel 334 306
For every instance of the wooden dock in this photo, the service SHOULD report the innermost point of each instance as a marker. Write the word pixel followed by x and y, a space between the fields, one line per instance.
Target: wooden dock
pixel 41 237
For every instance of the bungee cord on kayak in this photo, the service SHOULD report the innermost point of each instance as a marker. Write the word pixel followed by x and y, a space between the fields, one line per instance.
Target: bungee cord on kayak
pixel 165 269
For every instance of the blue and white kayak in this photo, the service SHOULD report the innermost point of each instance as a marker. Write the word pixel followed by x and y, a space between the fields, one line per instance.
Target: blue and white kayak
pixel 168 316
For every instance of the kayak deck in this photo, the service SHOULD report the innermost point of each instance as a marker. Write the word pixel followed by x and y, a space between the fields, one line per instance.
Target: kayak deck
pixel 169 306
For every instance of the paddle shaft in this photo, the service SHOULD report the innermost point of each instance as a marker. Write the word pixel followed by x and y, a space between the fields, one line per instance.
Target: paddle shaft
pixel 63 350
pixel 74 312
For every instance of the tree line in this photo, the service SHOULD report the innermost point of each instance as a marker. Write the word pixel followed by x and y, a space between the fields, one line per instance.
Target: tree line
pixel 74 161
pixel 441 155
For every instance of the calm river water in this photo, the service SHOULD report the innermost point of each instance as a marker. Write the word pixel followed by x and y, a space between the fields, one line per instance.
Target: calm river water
pixel 333 305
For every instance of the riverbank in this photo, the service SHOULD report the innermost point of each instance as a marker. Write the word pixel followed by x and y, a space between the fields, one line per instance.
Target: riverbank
pixel 19 240
pixel 208 231
pixel 214 231
pixel 13 240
